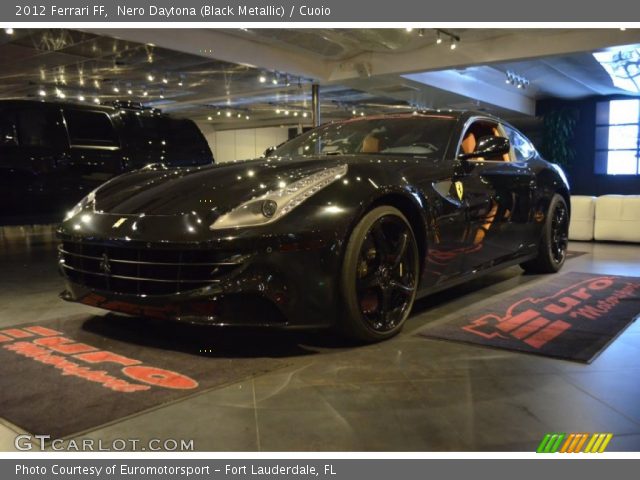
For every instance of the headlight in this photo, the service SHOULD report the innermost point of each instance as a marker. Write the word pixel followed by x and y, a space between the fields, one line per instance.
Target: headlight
pixel 81 206
pixel 275 204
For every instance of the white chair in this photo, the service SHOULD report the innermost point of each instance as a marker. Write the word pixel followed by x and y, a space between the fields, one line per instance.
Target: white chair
pixel 583 209
pixel 617 218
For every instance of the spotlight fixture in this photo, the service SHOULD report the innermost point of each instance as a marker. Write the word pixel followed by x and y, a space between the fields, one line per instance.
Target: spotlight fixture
pixel 262 78
pixel 219 113
pixel 444 34
pixel 180 83
pixel 116 89
pixel 165 80
pixel 409 30
pixel 516 80
pixel 277 110
pixel 228 114
pixel 8 31
pixel 129 92
pixel 421 32
pixel 150 77
pixel 42 93
pixel 286 112
pixel 304 114
pixel 145 93
pixel 96 100
pixel 209 118
pixel 247 117
pixel 81 98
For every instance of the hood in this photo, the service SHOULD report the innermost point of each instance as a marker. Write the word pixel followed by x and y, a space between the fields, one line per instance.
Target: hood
pixel 209 191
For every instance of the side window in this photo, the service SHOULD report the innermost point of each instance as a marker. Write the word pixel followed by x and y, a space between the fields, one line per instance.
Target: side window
pixel 8 130
pixel 90 129
pixel 521 147
pixel 473 134
pixel 35 128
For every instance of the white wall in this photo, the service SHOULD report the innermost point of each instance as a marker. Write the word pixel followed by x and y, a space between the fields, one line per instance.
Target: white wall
pixel 242 144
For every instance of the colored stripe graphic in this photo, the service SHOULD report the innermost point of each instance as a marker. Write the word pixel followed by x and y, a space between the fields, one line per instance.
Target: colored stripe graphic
pixel 574 443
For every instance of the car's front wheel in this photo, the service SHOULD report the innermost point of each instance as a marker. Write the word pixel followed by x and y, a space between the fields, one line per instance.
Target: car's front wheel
pixel 552 251
pixel 379 275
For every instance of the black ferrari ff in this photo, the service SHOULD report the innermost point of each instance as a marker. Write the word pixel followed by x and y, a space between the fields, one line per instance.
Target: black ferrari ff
pixel 343 226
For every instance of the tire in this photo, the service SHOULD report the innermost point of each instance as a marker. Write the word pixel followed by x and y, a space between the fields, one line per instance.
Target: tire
pixel 380 275
pixel 552 250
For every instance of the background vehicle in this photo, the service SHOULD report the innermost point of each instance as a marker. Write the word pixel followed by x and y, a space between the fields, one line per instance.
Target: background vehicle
pixel 52 154
pixel 342 226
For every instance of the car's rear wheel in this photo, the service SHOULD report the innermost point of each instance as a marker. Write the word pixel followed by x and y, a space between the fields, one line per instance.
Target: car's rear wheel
pixel 379 276
pixel 552 251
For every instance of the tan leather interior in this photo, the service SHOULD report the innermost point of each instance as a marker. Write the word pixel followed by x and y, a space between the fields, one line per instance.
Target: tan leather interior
pixel 370 144
pixel 469 143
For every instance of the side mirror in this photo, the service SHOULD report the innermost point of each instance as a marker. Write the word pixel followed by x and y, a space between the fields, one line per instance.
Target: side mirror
pixel 268 151
pixel 488 147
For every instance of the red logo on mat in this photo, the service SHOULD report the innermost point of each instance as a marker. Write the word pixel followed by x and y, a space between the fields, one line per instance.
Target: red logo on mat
pixel 50 347
pixel 532 320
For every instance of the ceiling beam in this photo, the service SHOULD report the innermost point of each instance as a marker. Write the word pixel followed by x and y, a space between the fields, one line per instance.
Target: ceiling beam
pixel 220 45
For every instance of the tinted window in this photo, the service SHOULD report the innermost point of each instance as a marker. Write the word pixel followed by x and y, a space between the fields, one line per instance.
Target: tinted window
pixel 8 130
pixel 35 128
pixel 90 128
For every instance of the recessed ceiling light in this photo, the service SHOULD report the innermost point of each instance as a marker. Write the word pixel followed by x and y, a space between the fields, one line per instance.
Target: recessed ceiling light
pixel 96 100
pixel 209 118
pixel 81 98
pixel 8 31
pixel 262 79
pixel 150 77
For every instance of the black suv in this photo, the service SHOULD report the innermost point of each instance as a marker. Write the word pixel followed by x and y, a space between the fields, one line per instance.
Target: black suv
pixel 52 154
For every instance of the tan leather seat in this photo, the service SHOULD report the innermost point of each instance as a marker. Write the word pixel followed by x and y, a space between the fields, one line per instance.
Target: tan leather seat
pixel 469 143
pixel 370 144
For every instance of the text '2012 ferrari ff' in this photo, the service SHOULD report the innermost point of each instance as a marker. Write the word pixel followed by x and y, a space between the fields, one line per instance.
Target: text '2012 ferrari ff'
pixel 342 226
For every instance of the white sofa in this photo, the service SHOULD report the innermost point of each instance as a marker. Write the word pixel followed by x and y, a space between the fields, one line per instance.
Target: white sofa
pixel 617 218
pixel 583 210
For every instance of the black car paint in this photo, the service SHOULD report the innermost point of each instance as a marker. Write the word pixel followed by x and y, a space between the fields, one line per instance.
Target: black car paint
pixel 43 177
pixel 294 263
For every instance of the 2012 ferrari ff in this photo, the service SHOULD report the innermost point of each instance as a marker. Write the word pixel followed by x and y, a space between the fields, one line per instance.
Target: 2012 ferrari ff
pixel 342 226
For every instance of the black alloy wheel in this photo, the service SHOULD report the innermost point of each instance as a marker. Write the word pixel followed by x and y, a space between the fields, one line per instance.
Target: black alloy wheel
pixel 554 242
pixel 380 275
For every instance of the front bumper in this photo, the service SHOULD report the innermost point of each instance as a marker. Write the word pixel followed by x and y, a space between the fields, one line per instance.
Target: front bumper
pixel 266 279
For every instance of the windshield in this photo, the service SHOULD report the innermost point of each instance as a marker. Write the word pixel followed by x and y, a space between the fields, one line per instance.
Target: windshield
pixel 417 136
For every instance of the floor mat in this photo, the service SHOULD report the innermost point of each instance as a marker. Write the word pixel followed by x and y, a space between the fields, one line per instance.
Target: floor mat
pixel 572 316
pixel 66 376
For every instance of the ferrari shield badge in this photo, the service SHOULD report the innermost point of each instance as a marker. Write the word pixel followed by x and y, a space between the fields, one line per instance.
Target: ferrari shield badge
pixel 459 190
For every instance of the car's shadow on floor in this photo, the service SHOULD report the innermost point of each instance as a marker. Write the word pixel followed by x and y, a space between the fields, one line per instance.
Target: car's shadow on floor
pixel 240 342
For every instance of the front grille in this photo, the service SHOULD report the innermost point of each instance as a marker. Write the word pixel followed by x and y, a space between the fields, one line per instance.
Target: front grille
pixel 141 270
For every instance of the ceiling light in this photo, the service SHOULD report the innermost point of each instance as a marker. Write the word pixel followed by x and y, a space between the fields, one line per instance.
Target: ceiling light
pixel 286 112
pixel 209 118
pixel 453 44
pixel 304 114
pixel 8 31
pixel 247 117
pixel 96 83
pixel 274 80
pixel 145 93
pixel 219 113
pixel 228 114
pixel 295 114
pixel 353 112
pixel 60 93
pixel 150 77
pixel 277 110
pixel 42 93
pixel 96 100
pixel 409 29
pixel 130 92
pixel 622 29
pixel 81 98
pixel 165 80
pixel 81 82
pixel 239 115
pixel 116 89
pixel 262 79
pixel 180 83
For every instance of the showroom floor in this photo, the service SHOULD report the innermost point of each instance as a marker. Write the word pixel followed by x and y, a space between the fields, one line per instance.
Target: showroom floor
pixel 408 394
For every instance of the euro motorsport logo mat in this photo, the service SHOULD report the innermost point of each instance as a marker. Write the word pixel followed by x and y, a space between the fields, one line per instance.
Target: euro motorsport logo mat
pixel 574 443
